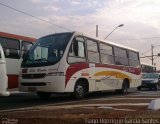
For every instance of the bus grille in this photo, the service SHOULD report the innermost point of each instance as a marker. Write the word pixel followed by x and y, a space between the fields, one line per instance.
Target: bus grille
pixel 33 76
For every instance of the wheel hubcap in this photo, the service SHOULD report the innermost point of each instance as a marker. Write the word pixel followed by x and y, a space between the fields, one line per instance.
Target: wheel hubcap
pixel 79 90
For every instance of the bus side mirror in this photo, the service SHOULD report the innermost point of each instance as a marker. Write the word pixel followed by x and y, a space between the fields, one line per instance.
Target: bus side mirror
pixel 0 55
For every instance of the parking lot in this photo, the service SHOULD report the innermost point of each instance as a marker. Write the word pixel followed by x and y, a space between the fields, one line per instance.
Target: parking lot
pixel 96 108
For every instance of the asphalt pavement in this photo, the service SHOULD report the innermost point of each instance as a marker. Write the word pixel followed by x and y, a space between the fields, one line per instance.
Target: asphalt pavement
pixel 24 100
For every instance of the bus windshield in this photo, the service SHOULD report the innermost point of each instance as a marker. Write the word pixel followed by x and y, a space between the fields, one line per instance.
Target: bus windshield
pixel 47 51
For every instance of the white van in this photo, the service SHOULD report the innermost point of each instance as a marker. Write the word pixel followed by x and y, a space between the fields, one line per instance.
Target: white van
pixel 3 75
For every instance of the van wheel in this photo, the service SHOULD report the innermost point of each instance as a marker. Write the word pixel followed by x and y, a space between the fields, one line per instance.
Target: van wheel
pixel 44 95
pixel 156 87
pixel 79 90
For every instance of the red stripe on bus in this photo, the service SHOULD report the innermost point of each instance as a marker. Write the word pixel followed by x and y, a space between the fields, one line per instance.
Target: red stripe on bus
pixel 132 70
pixel 77 67
pixel 12 81
pixel 73 69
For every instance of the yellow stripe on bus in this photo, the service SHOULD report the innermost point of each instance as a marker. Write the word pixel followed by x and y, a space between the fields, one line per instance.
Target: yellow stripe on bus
pixel 116 74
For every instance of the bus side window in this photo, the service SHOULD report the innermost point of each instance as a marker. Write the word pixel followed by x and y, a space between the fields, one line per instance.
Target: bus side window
pixel 93 52
pixel 11 47
pixel 106 53
pixel 77 50
pixel 134 59
pixel 121 57
pixel 25 47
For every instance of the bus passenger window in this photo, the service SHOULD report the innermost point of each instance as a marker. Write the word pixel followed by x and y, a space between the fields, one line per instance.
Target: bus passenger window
pixel 11 48
pixel 92 50
pixel 106 53
pixel 121 57
pixel 134 59
pixel 77 51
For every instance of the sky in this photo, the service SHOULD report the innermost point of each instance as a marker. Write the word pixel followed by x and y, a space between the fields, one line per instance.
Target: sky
pixel 141 19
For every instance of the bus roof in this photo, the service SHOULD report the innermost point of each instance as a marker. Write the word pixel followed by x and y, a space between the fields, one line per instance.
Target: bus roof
pixel 19 37
pixel 142 63
pixel 108 42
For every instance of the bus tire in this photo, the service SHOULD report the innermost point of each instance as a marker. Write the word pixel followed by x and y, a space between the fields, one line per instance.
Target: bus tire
pixel 125 87
pixel 79 90
pixel 44 95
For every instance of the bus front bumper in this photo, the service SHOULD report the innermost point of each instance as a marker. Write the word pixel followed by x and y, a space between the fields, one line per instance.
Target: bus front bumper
pixel 47 84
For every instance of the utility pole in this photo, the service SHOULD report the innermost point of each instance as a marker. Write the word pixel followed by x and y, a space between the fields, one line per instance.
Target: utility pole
pixel 152 52
pixel 96 30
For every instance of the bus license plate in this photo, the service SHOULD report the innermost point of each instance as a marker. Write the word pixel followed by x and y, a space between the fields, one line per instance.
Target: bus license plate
pixel 32 89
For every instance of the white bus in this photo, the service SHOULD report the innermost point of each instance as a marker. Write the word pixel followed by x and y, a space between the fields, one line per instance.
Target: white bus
pixel 3 75
pixel 148 68
pixel 75 63
pixel 14 47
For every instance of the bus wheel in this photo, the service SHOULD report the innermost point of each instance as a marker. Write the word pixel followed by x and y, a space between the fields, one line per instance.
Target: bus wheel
pixel 79 90
pixel 44 95
pixel 124 88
